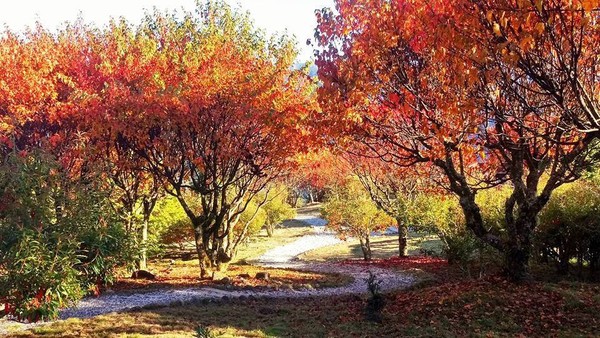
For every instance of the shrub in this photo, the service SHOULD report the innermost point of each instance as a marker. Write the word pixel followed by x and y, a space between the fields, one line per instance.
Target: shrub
pixel 376 302
pixel 57 237
pixel 570 227
pixel 40 277
pixel 277 209
pixel 442 215
pixel 351 213
pixel 169 225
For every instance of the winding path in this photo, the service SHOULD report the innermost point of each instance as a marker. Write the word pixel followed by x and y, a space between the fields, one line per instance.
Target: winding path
pixel 283 256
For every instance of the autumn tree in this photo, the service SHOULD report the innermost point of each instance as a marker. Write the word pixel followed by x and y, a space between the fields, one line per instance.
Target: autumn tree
pixel 205 101
pixel 394 191
pixel 450 85
pixel 59 232
pixel 350 212
pixel 35 110
pixel 313 172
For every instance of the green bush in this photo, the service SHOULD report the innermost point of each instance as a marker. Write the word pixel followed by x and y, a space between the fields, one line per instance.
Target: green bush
pixel 104 247
pixel 443 215
pixel 277 209
pixel 254 216
pixel 569 227
pixel 57 238
pixel 39 277
pixel 169 225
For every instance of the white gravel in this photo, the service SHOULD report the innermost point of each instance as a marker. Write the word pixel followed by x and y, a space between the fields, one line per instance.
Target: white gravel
pixel 283 256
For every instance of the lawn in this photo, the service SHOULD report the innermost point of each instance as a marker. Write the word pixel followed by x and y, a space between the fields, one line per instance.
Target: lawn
pixel 384 246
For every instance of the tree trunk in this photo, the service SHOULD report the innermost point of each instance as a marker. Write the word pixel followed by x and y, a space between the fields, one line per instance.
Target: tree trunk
pixel 270 229
pixel 563 260
pixel 517 263
pixel 144 253
pixel 518 248
pixel 402 238
pixel 365 246
pixel 204 260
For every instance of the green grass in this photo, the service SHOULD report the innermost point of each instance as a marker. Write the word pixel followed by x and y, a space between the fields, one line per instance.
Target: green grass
pixel 381 246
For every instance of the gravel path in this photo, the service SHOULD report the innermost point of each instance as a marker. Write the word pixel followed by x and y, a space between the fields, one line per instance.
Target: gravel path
pixel 118 302
pixel 283 256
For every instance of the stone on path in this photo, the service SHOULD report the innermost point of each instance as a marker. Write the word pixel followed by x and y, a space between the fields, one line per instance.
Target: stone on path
pixel 262 275
pixel 143 274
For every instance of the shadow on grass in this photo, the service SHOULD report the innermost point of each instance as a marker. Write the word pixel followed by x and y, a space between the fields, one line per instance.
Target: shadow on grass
pixel 249 318
pixel 293 223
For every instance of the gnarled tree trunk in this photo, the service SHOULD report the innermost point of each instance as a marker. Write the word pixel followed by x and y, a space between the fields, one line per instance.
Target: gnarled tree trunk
pixel 365 246
pixel 402 237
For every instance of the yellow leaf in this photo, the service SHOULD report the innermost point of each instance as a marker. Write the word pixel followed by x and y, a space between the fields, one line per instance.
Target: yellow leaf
pixel 497 29
pixel 538 5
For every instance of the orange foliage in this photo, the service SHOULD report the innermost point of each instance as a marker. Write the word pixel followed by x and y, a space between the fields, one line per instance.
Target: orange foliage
pixel 486 91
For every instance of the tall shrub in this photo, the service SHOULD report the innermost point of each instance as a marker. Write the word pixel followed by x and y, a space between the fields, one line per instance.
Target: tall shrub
pixel 57 238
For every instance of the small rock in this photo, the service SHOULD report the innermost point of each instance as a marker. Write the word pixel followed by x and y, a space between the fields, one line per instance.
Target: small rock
pixel 143 274
pixel 225 280
pixel 244 276
pixel 262 275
